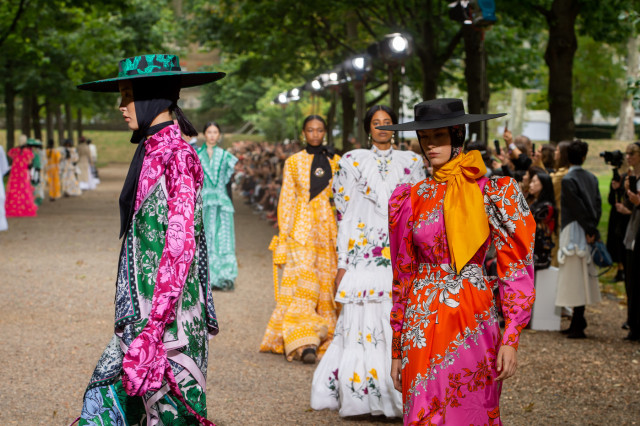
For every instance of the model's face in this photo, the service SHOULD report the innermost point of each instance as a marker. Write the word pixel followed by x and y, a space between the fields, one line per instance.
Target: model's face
pixel 535 186
pixel 212 134
pixel 127 107
pixel 437 145
pixel 314 132
pixel 633 156
pixel 381 118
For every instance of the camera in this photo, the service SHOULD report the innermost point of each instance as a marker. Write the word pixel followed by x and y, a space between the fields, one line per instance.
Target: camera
pixel 614 158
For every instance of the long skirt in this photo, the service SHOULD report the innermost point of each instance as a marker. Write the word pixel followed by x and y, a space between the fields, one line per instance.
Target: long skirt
pixel 305 312
pixel 221 247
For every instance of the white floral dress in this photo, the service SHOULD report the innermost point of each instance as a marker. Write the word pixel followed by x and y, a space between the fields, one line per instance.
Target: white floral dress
pixel 354 374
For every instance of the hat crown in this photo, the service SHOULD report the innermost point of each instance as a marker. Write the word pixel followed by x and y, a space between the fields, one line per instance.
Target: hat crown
pixel 438 109
pixel 148 64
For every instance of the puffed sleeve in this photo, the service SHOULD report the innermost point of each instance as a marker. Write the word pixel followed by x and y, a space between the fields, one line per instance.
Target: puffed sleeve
pixel 146 358
pixel 344 184
pixel 230 161
pixel 513 231
pixel 286 211
pixel 417 169
pixel 403 259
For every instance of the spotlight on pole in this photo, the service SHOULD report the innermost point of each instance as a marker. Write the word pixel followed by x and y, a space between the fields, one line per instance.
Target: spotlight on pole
pixel 281 99
pixel 316 85
pixel 293 94
pixel 358 66
pixel 395 48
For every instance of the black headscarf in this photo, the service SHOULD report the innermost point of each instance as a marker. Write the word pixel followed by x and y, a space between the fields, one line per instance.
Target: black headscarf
pixel 150 99
pixel 320 168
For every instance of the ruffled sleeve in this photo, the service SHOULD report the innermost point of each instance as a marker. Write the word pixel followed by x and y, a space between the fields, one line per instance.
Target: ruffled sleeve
pixel 513 231
pixel 403 259
pixel 229 161
pixel 344 183
pixel 146 360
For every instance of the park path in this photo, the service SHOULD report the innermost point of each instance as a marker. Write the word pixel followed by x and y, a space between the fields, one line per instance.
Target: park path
pixel 57 274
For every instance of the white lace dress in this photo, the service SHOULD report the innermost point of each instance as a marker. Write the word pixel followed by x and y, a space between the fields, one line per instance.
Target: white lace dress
pixel 354 374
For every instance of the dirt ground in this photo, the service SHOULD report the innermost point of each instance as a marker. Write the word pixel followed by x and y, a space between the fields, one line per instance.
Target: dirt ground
pixel 57 275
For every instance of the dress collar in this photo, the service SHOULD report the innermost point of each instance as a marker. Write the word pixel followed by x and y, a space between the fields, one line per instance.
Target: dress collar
pixel 381 153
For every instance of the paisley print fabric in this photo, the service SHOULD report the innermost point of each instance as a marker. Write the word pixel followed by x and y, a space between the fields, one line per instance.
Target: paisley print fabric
pixel 154 369
pixel 445 327
pixel 305 313
pixel 218 216
pixel 20 200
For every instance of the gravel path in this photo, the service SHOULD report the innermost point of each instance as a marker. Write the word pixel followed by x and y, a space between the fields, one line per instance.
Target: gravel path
pixel 57 274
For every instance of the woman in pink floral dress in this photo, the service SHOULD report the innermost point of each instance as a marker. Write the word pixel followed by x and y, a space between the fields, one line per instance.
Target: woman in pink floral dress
pixel 449 357
pixel 20 201
pixel 154 369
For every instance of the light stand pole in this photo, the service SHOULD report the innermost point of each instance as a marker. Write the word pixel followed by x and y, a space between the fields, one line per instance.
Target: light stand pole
pixel 357 68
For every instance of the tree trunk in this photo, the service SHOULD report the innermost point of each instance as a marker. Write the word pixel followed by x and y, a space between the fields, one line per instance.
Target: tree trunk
pixel 475 77
pixel 59 123
pixel 348 115
pixel 48 119
pixel 35 118
pixel 25 122
pixel 10 112
pixel 79 123
pixel 559 56
pixel 331 117
pixel 625 130
pixel 68 118
pixel 430 74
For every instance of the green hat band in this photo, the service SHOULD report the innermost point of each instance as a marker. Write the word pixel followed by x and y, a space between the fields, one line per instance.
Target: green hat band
pixel 148 64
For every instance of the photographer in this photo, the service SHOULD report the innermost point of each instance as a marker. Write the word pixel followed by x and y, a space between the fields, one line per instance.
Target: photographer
pixel 620 213
pixel 632 267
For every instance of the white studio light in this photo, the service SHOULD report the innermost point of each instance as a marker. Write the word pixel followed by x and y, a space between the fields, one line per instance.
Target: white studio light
pixel 282 98
pixel 295 92
pixel 316 85
pixel 358 63
pixel 333 76
pixel 399 44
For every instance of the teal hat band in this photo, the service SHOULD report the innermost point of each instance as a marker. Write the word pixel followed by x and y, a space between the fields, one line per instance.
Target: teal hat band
pixel 148 64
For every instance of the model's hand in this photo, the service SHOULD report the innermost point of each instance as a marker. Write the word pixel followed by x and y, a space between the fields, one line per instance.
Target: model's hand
pixel 339 276
pixel 622 209
pixel 396 374
pixel 633 197
pixel 507 362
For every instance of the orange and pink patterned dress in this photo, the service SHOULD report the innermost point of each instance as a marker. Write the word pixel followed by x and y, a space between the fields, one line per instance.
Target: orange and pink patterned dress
pixel 445 325
pixel 20 201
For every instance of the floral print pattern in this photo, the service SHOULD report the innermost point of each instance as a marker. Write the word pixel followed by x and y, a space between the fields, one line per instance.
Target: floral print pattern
pixel 20 200
pixel 445 327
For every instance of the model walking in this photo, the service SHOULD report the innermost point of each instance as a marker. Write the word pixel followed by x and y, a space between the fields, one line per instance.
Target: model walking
pixel 218 166
pixel 354 375
pixel 155 367
pixel 304 318
pixel 449 359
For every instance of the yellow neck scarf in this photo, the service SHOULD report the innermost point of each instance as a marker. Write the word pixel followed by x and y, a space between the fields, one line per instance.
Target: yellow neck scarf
pixel 465 219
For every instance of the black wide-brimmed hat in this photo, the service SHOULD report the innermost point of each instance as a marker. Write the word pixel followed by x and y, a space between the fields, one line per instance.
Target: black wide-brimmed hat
pixel 439 113
pixel 152 66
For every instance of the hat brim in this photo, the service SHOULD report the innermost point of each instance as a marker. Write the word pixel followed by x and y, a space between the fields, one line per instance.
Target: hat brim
pixel 186 79
pixel 444 122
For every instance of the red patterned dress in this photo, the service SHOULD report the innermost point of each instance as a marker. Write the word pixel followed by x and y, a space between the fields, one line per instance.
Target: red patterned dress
pixel 20 201
pixel 445 326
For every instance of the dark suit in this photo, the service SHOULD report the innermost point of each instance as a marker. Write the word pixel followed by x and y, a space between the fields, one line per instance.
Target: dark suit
pixel 580 202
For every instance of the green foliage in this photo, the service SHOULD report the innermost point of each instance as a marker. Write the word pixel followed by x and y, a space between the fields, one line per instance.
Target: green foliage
pixel 598 74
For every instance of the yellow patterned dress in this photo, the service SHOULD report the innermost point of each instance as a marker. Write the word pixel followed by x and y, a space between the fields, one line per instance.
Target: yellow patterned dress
pixel 305 313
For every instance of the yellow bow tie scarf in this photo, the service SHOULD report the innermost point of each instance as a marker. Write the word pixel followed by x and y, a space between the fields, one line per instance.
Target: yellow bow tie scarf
pixel 465 219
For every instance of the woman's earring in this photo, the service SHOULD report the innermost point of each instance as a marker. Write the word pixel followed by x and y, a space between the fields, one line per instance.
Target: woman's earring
pixel 304 138
pixel 369 140
pixel 324 140
pixel 393 140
